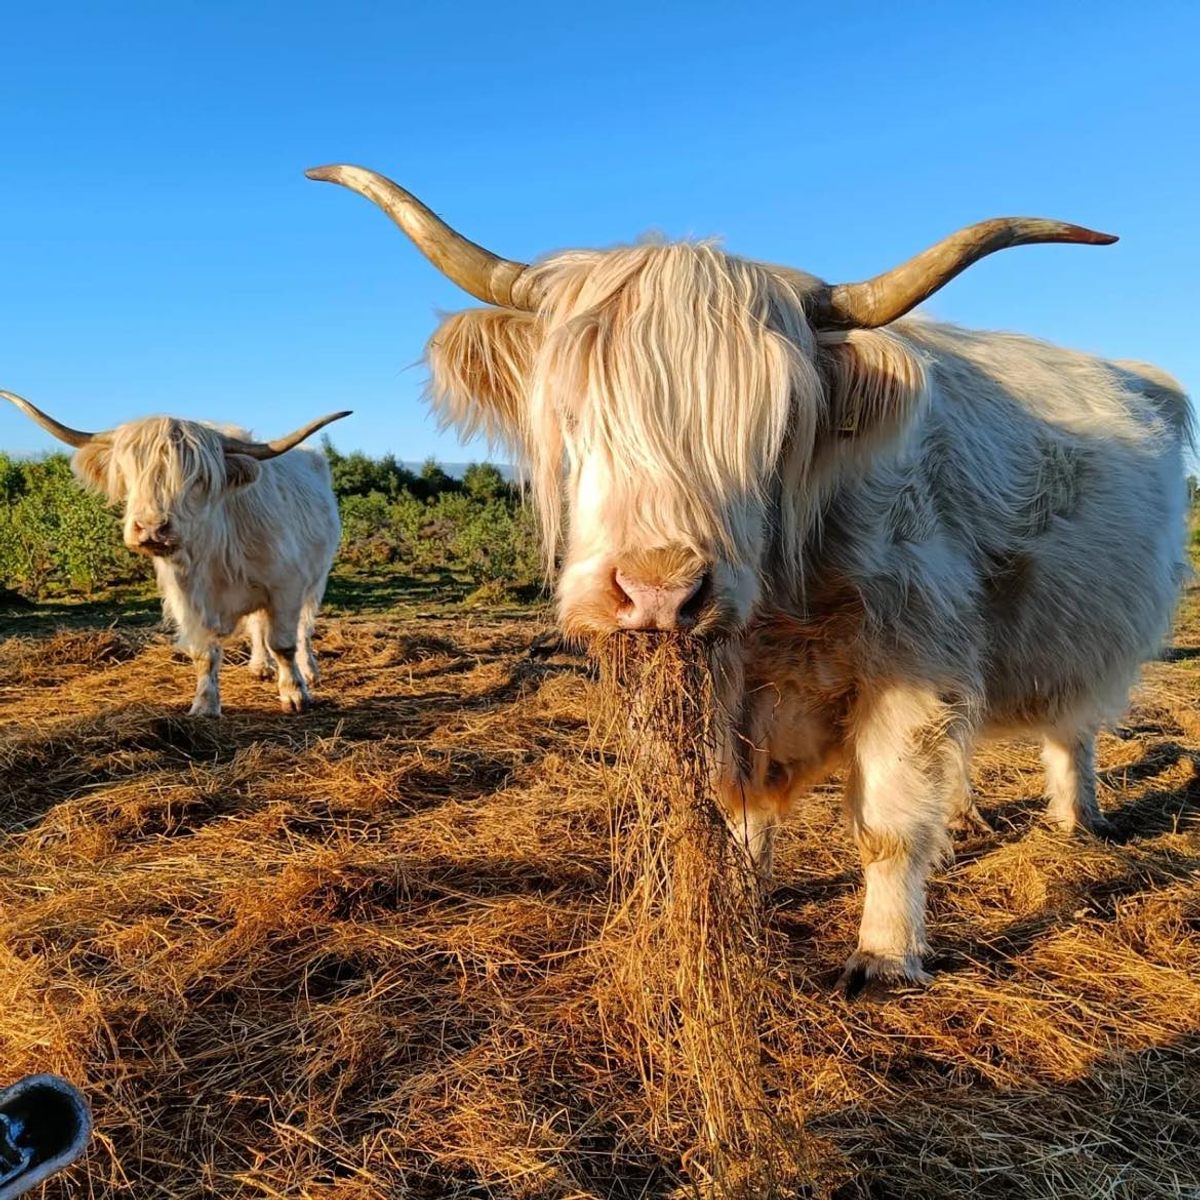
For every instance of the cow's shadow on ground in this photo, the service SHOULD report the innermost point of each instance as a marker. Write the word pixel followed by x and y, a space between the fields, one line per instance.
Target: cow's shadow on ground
pixel 386 592
pixel 81 755
pixel 1154 812
pixel 1175 654
pixel 181 774
pixel 1159 810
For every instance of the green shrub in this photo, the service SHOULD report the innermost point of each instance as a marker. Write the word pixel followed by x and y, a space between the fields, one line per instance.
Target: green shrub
pixel 483 481
pixel 475 533
pixel 498 542
pixel 53 534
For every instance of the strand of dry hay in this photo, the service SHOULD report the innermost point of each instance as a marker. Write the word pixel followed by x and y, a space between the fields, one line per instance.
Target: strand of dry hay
pixel 686 951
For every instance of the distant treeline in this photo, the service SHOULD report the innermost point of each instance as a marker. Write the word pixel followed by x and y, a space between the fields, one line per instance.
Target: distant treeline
pixel 56 538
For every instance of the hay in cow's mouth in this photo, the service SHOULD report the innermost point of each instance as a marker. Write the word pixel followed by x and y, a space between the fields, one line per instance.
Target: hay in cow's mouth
pixel 685 941
pixel 155 549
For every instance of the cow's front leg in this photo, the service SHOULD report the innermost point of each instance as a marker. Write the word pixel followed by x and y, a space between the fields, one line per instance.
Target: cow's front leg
pixel 906 771
pixel 207 661
pixel 281 637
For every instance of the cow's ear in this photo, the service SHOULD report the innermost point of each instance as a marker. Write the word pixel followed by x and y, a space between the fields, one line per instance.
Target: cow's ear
pixel 92 465
pixel 875 385
pixel 240 469
pixel 481 361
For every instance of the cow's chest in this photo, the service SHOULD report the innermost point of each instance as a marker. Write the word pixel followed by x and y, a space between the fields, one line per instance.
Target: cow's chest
pixel 217 599
pixel 800 687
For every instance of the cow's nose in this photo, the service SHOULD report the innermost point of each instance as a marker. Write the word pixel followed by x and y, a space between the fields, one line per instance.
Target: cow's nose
pixel 153 530
pixel 656 605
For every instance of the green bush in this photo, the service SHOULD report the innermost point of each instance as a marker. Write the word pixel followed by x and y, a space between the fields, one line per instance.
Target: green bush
pixel 497 542
pixel 483 540
pixel 483 481
pixel 476 528
pixel 53 534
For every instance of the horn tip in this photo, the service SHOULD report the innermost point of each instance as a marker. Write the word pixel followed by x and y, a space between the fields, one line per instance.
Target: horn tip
pixel 330 173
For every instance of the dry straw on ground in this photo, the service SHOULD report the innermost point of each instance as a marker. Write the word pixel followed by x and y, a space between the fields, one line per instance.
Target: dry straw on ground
pixel 357 955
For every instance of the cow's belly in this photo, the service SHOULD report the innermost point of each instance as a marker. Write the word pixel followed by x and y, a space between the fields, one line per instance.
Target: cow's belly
pixel 229 606
pixel 1076 635
pixel 793 715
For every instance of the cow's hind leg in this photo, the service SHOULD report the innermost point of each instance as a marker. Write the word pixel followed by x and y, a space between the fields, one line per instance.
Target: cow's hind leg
pixel 282 623
pixel 261 663
pixel 965 818
pixel 306 657
pixel 207 661
pixel 906 775
pixel 1069 757
pixel 753 822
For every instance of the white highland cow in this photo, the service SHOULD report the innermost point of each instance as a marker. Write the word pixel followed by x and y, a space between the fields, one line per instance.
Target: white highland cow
pixel 236 528
pixel 898 536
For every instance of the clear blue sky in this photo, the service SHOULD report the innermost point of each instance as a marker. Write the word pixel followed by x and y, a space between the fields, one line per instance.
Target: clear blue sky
pixel 161 250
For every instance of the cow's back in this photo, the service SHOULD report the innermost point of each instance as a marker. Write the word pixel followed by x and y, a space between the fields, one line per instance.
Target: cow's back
pixel 288 518
pixel 1030 534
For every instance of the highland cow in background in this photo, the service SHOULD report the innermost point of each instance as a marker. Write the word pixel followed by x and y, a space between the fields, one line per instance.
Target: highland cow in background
pixel 237 529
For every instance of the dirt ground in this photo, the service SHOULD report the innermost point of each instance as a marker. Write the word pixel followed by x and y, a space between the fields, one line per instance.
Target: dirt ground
pixel 347 954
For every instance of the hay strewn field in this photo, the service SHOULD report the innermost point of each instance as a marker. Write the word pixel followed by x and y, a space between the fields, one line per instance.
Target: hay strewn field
pixel 352 954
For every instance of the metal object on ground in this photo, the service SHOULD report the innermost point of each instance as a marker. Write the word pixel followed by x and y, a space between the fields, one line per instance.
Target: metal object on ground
pixel 45 1123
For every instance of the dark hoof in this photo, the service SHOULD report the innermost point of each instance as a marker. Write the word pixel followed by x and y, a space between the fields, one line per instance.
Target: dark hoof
pixel 971 824
pixel 853 982
pixel 864 970
pixel 1097 826
pixel 547 645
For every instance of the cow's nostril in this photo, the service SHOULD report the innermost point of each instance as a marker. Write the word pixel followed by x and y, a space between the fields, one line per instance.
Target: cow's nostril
pixel 694 605
pixel 658 604
pixel 624 599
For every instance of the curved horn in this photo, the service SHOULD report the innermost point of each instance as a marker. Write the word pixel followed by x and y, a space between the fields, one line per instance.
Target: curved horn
pixel 486 276
pixel 265 450
pixel 64 433
pixel 877 301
